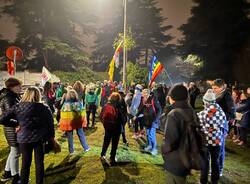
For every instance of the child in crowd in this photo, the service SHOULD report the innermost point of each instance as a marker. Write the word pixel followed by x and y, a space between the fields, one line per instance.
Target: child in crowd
pixel 212 120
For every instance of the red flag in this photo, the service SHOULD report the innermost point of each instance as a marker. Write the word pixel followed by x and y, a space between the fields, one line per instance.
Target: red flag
pixel 10 67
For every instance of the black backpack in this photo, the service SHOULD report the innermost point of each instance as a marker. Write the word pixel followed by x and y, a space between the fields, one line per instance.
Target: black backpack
pixel 192 142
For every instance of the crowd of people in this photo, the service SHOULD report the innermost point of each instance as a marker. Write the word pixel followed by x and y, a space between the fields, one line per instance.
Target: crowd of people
pixel 28 120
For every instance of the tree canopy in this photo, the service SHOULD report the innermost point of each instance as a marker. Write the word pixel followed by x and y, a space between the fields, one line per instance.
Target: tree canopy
pixel 217 32
pixel 38 21
pixel 148 31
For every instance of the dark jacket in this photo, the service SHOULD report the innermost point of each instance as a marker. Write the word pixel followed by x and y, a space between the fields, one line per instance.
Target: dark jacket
pixel 7 100
pixel 244 108
pixel 115 125
pixel 152 115
pixel 226 102
pixel 174 129
pixel 50 101
pixel 35 121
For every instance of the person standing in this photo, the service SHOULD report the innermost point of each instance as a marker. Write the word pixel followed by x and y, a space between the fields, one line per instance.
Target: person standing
pixel 193 93
pixel 244 124
pixel 91 104
pixel 136 111
pixel 80 90
pixel 212 120
pixel 72 118
pixel 49 96
pixel 36 126
pixel 152 112
pixel 124 116
pixel 111 118
pixel 176 123
pixel 9 96
pixel 225 101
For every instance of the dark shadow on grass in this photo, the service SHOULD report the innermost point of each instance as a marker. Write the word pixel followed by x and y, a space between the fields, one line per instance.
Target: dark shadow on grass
pixel 224 180
pixel 115 174
pixel 63 173
pixel 90 131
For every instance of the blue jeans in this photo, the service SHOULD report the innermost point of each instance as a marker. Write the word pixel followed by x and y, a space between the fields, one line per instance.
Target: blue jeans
pixel 151 136
pixel 222 155
pixel 81 137
pixel 213 153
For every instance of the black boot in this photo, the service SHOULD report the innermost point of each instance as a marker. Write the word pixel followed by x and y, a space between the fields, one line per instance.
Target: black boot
pixel 6 176
pixel 16 179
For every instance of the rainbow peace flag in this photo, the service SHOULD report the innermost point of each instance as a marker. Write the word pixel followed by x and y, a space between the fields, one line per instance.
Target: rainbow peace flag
pixel 155 69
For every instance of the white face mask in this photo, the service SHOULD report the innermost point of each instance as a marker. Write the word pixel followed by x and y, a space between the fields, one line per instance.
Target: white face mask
pixel 137 91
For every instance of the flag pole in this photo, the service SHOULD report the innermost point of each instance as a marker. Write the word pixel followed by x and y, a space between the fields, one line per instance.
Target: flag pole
pixel 171 82
pixel 124 46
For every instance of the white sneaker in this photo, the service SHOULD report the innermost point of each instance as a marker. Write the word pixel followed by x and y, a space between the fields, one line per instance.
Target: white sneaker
pixel 148 148
pixel 154 152
pixel 87 150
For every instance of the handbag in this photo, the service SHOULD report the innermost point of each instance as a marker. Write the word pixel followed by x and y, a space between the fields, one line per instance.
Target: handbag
pixel 51 145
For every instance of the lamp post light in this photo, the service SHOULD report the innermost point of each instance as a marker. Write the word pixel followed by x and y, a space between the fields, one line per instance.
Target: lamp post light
pixel 124 77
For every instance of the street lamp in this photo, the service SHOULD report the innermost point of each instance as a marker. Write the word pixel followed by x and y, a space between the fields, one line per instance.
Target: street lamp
pixel 124 45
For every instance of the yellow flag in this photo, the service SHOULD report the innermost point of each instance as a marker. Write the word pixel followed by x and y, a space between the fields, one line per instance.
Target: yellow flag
pixel 115 59
pixel 111 69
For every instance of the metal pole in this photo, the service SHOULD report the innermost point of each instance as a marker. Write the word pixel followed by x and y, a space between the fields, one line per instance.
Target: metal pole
pixel 124 45
pixel 14 62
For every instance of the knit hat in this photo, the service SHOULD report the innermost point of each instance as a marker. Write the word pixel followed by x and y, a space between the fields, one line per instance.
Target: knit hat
pixel 209 96
pixel 178 92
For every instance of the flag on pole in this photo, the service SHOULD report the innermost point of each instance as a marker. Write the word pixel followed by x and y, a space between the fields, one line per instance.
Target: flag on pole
pixel 155 69
pixel 114 62
pixel 47 76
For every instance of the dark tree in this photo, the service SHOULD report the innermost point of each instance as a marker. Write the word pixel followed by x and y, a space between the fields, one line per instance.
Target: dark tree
pixel 40 21
pixel 218 31
pixel 146 22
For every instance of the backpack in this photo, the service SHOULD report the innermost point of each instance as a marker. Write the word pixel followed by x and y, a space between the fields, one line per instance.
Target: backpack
pixel 109 115
pixel 191 143
pixel 149 114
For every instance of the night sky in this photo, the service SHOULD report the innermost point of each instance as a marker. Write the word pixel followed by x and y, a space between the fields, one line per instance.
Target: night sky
pixel 177 12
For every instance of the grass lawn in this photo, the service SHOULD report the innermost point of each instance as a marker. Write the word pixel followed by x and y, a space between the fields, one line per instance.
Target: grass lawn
pixel 136 167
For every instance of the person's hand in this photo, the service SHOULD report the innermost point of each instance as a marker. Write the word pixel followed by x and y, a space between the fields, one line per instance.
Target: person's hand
pixel 232 121
pixel 18 128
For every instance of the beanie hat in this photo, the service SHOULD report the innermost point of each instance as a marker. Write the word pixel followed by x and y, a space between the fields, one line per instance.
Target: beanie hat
pixel 209 96
pixel 178 92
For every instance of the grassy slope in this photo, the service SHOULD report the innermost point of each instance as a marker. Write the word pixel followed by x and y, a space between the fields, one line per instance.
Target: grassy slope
pixel 136 167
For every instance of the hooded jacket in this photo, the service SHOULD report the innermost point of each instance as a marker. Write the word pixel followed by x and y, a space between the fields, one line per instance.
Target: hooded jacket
pixel 7 100
pixel 174 130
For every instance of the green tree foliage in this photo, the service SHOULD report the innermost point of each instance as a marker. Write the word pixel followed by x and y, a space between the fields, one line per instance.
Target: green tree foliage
pixel 217 32
pixel 147 27
pixel 84 74
pixel 136 74
pixel 39 21
pixel 129 41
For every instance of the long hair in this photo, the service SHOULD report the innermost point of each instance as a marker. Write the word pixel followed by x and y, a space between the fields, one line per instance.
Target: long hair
pixel 32 94
pixel 47 88
pixel 115 98
pixel 79 87
pixel 72 96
